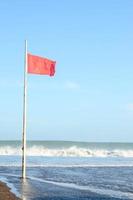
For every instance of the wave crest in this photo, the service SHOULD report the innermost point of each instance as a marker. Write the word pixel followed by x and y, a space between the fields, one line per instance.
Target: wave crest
pixel 66 152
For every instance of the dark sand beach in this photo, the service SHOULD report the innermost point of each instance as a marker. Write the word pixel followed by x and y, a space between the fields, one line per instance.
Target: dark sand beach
pixel 5 193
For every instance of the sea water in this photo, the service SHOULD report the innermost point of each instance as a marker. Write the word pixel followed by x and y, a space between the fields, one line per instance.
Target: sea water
pixel 69 170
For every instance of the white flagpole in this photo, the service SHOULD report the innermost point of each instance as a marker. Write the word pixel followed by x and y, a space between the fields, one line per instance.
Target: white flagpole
pixel 24 116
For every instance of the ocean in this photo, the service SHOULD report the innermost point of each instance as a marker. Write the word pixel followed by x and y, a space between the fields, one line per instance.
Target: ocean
pixel 60 170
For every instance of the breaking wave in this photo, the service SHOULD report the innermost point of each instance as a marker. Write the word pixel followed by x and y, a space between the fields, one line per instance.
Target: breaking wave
pixel 73 151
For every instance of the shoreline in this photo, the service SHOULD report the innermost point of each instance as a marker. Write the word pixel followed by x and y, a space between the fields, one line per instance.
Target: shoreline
pixel 5 192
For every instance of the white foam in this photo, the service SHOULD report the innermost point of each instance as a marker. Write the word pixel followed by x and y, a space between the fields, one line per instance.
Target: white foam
pixel 109 192
pixel 10 185
pixel 69 166
pixel 73 151
pixel 94 189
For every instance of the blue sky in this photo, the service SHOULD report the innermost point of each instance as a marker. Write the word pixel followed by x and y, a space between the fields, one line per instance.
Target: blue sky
pixel 91 96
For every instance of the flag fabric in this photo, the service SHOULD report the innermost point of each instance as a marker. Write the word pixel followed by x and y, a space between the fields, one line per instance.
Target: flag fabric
pixel 40 65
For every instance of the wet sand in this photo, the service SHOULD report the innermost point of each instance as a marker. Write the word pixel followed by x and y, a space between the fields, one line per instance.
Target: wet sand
pixel 5 193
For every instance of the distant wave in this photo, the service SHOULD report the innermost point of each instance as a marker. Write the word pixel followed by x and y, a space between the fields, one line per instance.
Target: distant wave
pixel 73 151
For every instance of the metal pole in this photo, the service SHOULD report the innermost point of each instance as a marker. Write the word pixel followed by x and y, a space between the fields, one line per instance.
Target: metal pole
pixel 24 116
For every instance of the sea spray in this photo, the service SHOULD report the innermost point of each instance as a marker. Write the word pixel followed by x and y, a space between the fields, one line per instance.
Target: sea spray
pixel 73 151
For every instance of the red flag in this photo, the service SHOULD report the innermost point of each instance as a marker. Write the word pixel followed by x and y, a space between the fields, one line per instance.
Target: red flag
pixel 39 65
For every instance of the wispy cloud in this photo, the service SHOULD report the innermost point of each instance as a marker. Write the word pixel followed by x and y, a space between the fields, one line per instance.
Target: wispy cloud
pixel 69 85
pixel 72 85
pixel 10 83
pixel 130 106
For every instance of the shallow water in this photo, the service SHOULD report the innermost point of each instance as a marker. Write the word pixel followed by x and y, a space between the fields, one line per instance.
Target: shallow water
pixel 61 171
pixel 71 182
